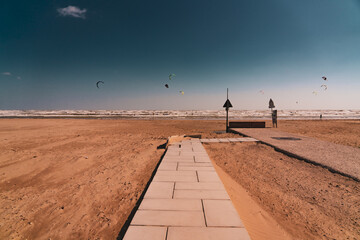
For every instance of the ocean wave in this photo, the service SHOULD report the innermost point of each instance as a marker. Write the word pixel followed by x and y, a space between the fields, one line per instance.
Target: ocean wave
pixel 183 114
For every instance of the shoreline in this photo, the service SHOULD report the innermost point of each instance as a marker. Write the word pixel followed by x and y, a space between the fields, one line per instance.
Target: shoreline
pixel 351 114
pixel 324 118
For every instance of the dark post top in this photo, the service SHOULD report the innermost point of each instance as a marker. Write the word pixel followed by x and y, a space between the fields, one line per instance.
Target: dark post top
pixel 271 104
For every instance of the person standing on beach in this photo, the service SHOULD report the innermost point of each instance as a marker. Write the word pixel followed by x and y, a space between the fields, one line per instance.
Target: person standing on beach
pixel 274 118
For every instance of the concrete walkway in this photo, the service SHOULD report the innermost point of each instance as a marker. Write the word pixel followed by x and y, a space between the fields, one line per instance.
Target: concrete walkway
pixel 344 160
pixel 186 200
pixel 226 140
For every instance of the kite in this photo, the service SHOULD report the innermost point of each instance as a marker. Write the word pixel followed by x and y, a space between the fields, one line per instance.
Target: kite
pixel 182 92
pixel 262 92
pixel 324 78
pixel 325 87
pixel 166 85
pixel 97 84
pixel 171 75
pixel 314 92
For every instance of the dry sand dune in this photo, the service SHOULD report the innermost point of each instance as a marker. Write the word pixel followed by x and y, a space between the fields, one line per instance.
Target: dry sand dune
pixel 74 178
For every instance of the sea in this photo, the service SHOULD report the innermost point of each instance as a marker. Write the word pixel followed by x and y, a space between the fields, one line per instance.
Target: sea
pixel 182 114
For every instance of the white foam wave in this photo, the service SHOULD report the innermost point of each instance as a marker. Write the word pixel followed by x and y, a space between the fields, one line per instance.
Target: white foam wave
pixel 197 114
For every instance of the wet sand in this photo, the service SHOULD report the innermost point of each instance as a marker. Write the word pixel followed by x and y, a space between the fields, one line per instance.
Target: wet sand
pixel 77 178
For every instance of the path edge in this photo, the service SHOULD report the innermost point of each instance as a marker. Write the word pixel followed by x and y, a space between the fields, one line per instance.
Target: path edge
pixel 126 225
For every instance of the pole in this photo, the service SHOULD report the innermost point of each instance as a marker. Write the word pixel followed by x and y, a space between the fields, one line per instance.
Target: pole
pixel 227 120
pixel 227 111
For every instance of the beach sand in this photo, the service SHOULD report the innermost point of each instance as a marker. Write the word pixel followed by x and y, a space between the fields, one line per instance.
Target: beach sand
pixel 80 178
pixel 302 200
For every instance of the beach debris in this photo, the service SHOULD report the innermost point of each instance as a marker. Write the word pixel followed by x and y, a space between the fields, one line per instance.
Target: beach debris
pixel 262 92
pixel 182 92
pixel 315 92
pixel 171 76
pixel 324 78
pixel 324 86
pixel 97 84
pixel 166 85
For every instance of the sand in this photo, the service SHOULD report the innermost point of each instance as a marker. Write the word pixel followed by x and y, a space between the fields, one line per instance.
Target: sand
pixel 344 132
pixel 307 201
pixel 78 178
pixel 259 223
pixel 62 178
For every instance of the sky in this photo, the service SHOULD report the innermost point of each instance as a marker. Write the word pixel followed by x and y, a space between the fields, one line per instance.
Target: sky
pixel 53 52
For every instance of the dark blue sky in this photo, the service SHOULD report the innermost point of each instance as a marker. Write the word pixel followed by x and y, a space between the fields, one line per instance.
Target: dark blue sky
pixel 51 55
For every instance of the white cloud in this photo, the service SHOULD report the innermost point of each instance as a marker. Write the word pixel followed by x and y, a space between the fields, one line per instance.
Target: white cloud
pixel 6 73
pixel 18 77
pixel 72 11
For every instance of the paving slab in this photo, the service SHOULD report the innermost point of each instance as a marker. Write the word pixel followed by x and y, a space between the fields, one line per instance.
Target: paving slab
pixel 206 176
pixel 169 218
pixel 201 154
pixel 188 159
pixel 202 159
pixel 249 140
pixel 195 164
pixel 198 149
pixel 342 159
pixel 199 186
pixel 189 168
pixel 173 153
pixel 171 204
pixel 200 194
pixel 221 213
pixel 160 190
pixel 207 233
pixel 185 146
pixel 197 145
pixel 151 233
pixel 187 151
pixel 168 166
pixel 179 178
pixel 233 139
pixel 175 173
